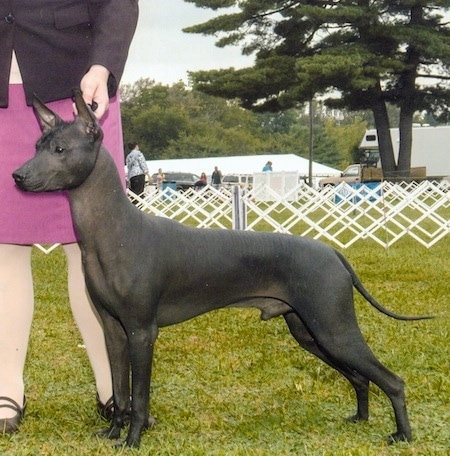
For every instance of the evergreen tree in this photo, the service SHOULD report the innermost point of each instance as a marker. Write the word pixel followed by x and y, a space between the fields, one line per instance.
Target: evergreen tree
pixel 370 52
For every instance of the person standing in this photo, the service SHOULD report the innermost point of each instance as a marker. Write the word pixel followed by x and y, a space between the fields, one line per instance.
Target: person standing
pixel 47 48
pixel 137 169
pixel 267 166
pixel 216 177
pixel 160 178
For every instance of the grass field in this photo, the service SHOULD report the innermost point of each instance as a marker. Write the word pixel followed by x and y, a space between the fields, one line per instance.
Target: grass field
pixel 228 384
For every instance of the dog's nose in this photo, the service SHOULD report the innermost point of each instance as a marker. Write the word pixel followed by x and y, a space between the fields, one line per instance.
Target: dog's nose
pixel 18 177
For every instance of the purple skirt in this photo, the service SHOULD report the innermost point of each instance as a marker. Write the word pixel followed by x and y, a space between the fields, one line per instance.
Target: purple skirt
pixel 40 218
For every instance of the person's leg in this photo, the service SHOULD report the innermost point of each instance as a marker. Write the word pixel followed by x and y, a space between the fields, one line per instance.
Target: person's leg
pixel 88 323
pixel 134 185
pixel 141 185
pixel 16 314
pixel 137 184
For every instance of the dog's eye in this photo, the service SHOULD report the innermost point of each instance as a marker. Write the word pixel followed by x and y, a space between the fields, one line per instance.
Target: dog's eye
pixel 59 150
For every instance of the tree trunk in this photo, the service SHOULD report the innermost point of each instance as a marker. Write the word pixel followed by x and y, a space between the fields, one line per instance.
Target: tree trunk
pixel 405 146
pixel 381 118
pixel 408 98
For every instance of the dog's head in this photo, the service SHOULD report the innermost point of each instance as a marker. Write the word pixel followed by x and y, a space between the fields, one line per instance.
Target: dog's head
pixel 65 153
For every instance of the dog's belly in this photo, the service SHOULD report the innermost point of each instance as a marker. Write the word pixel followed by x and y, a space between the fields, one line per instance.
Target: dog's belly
pixel 173 313
pixel 269 307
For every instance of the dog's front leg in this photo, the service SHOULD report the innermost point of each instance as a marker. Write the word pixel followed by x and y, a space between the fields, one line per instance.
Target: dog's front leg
pixel 117 346
pixel 141 343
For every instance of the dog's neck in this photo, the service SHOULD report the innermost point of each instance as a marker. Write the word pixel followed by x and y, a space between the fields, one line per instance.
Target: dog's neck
pixel 99 202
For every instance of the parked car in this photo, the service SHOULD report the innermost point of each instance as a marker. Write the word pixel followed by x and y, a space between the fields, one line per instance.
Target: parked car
pixel 245 180
pixel 183 181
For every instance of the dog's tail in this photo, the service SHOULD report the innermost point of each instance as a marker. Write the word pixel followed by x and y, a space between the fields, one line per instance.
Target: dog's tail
pixel 362 290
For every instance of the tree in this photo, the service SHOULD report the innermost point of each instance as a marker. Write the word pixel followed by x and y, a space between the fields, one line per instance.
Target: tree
pixel 370 52
pixel 174 122
pixel 149 116
pixel 178 122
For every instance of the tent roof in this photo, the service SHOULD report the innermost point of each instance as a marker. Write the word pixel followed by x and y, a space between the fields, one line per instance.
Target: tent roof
pixel 244 164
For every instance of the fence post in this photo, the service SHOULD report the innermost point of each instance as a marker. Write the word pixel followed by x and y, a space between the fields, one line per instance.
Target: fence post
pixel 239 209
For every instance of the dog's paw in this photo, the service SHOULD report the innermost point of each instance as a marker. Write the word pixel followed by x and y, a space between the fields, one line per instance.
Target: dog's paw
pixel 119 445
pixel 132 442
pixel 398 437
pixel 110 433
pixel 356 418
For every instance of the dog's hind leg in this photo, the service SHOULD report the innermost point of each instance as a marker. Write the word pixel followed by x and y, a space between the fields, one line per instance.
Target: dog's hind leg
pixel 359 383
pixel 343 343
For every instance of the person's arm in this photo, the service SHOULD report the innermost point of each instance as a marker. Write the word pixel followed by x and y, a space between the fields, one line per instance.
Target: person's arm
pixel 113 29
pixel 144 167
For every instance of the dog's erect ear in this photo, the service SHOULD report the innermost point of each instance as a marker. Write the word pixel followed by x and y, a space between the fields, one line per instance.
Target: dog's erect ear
pixel 86 115
pixel 47 118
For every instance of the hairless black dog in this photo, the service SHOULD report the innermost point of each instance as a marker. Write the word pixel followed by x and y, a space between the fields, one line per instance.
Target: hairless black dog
pixel 140 275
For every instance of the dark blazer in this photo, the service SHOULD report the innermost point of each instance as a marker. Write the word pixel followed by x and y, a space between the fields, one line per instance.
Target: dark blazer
pixel 57 41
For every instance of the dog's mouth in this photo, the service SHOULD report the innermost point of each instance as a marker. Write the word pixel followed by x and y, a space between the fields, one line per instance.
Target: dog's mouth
pixel 27 185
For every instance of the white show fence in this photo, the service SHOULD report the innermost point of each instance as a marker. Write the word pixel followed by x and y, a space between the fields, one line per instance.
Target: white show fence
pixel 384 212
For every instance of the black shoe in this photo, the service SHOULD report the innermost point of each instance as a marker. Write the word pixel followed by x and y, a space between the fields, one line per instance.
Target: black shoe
pixel 106 410
pixel 11 425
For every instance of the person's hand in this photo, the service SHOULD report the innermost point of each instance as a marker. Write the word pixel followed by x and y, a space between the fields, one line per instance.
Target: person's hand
pixel 95 89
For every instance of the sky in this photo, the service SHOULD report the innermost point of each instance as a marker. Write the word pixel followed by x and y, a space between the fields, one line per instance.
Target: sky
pixel 162 51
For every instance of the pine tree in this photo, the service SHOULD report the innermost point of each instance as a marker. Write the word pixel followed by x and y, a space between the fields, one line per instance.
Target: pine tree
pixel 369 52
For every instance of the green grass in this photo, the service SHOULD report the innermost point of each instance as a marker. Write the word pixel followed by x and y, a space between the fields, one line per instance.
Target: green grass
pixel 228 384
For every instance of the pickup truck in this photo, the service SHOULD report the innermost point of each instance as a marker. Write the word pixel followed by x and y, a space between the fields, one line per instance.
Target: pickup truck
pixel 357 173
pixel 354 174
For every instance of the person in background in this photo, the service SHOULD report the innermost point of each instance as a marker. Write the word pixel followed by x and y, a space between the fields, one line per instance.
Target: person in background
pixel 216 177
pixel 47 48
pixel 267 166
pixel 202 182
pixel 137 169
pixel 160 178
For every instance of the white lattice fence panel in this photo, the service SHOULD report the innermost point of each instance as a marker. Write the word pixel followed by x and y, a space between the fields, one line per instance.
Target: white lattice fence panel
pixel 417 210
pixel 383 212
pixel 204 208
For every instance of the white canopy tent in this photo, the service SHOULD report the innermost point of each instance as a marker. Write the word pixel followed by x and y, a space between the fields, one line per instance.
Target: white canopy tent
pixel 244 164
